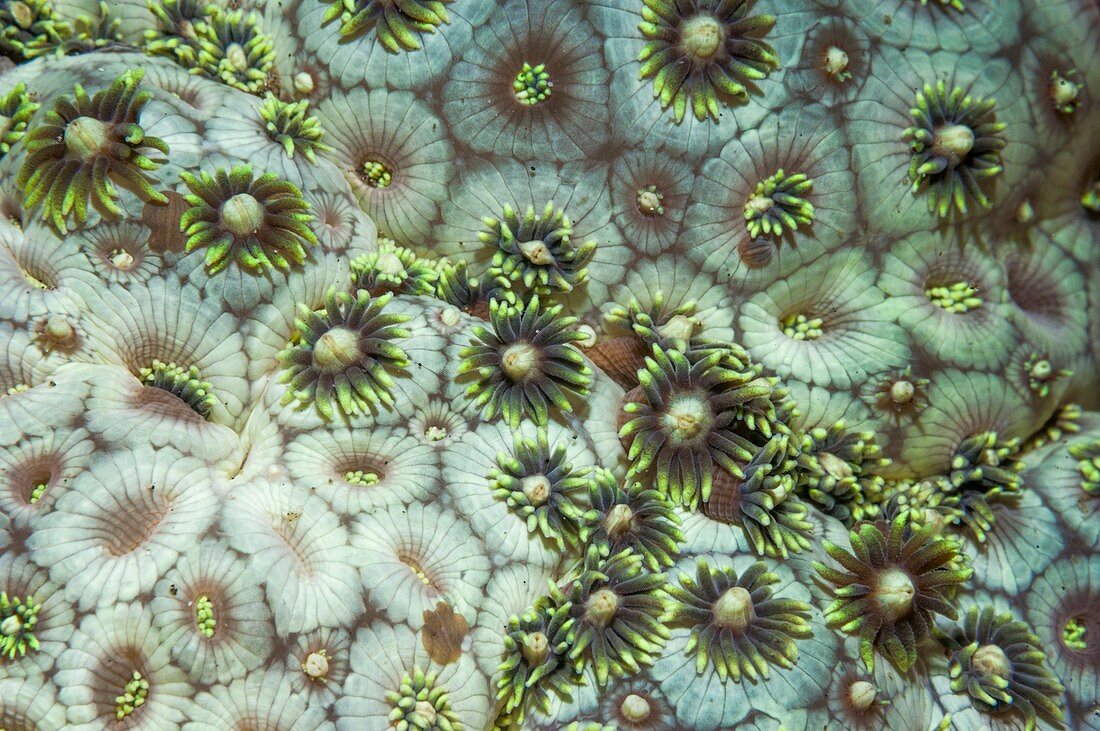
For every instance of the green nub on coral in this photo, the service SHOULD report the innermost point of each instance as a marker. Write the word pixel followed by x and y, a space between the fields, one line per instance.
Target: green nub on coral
pixel 1041 374
pixel 86 144
pixel 37 492
pixel 233 49
pixel 342 354
pixel 543 488
pixel 1000 664
pixel 395 22
pixel 701 52
pixel 956 297
pixel 1087 455
pixel 799 326
pixel 526 363
pixel 1090 199
pixel 376 174
pixel 532 84
pixel 259 222
pixel 536 249
pixel 184 383
pixel 634 518
pixel 17 622
pixel 393 268
pixel 361 478
pixel 536 645
pixel 956 143
pixel 956 4
pixel 292 126
pixel 1075 634
pixel 204 616
pixel 134 695
pixel 16 110
pixel 735 623
pixel 419 704
pixel 620 611
pixel 894 579
pixel 779 204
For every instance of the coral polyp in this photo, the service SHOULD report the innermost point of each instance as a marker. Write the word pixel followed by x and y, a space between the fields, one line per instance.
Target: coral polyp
pixel 543 488
pixel 292 126
pixel 957 145
pixel 30 28
pixel 82 145
pixel 696 412
pixel 999 663
pixel 343 353
pixel 527 364
pixel 536 645
pixel 396 23
pixel 233 48
pixel 16 109
pixel 393 268
pixel 184 383
pixel 894 579
pixel 259 222
pixel 633 517
pixel 619 612
pixel 18 618
pixel 536 249
pixel 779 204
pixel 419 704
pixel 704 52
pixel 735 622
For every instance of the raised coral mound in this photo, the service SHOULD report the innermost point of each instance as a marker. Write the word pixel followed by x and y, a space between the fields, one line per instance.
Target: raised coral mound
pixel 588 364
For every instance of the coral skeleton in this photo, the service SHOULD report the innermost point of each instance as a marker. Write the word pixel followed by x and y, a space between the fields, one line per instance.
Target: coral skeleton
pixel 526 365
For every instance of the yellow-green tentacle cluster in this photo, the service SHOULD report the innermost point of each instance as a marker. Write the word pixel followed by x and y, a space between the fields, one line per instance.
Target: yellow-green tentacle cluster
pixel 956 143
pixel 18 619
pixel 184 383
pixel 537 249
pixel 542 487
pixel 702 53
pixel 292 126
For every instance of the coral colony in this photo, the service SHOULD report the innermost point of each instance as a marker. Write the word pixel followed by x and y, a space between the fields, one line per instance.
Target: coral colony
pixel 598 365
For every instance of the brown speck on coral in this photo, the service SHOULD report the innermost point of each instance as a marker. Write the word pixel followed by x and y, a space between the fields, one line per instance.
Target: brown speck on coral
pixel 443 634
pixel 163 221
